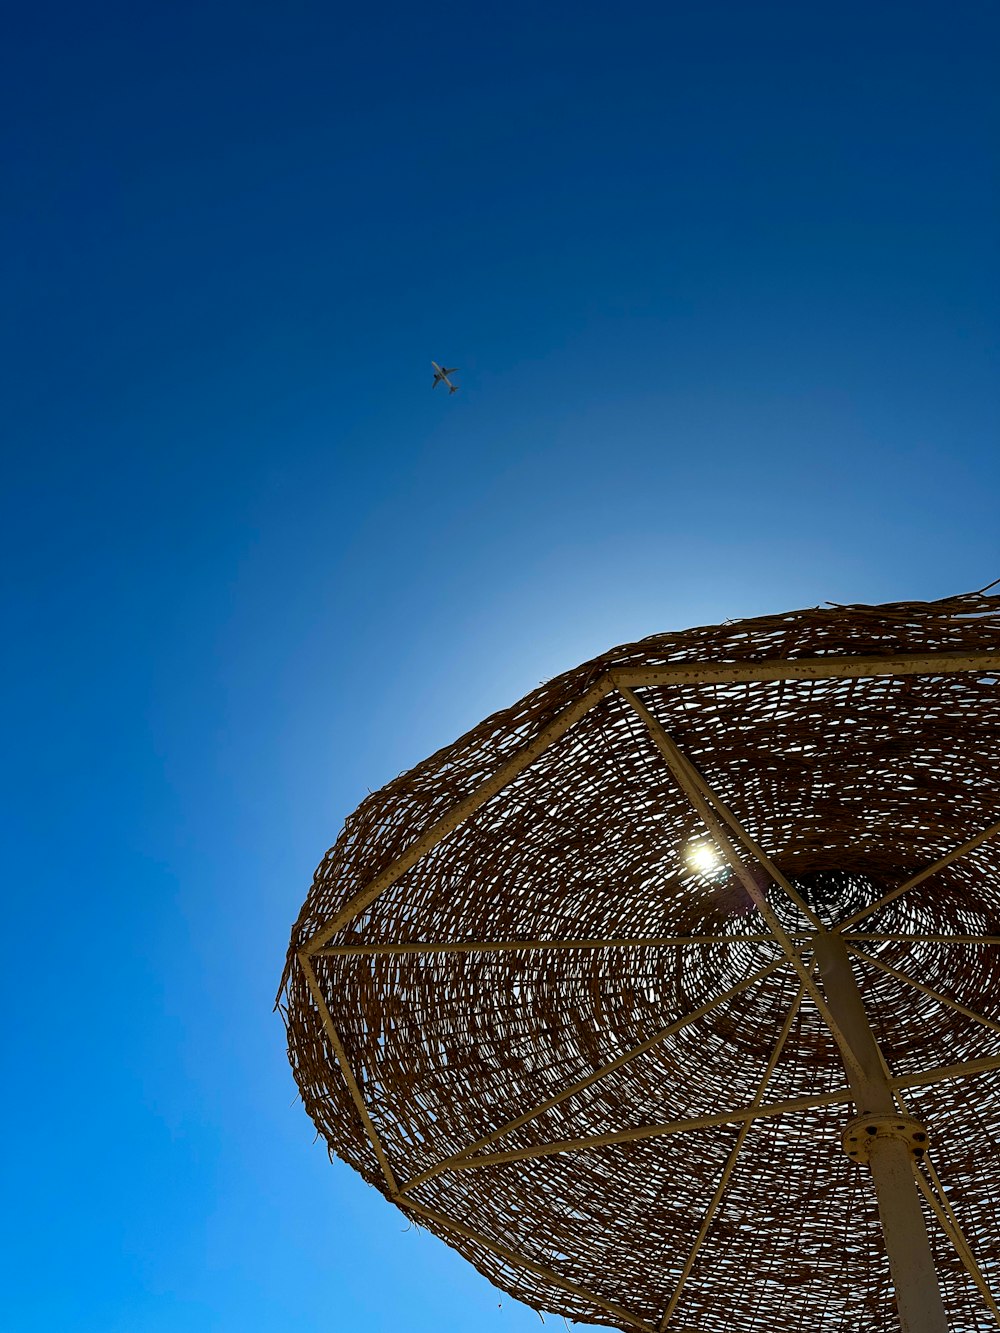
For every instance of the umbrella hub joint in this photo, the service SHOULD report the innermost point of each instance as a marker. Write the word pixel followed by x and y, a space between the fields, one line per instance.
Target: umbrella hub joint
pixel 861 1134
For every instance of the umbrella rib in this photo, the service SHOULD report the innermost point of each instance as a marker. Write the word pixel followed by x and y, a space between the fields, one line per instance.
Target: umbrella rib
pixel 926 990
pixel 333 1036
pixel 919 878
pixel 765 1111
pixel 755 850
pixel 829 667
pixel 676 763
pixel 504 1252
pixel 945 1214
pixel 438 831
pixel 731 1161
pixel 924 939
pixel 941 1073
pixel 609 1068
pixel 501 946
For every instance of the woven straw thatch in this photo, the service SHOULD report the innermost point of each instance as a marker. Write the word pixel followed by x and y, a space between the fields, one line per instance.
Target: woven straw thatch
pixel 409 1056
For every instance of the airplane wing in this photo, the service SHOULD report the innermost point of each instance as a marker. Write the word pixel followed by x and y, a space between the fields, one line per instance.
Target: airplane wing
pixel 450 370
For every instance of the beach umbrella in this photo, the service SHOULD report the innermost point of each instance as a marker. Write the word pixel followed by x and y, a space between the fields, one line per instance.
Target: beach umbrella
pixel 670 996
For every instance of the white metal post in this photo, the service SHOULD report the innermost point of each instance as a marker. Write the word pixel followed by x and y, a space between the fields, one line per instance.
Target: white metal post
pixel 918 1296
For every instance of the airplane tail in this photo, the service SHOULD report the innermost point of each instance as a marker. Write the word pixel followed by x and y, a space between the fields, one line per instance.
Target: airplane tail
pixel 453 388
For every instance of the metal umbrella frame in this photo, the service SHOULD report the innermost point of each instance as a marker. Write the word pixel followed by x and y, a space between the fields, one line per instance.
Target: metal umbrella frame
pixel 670 996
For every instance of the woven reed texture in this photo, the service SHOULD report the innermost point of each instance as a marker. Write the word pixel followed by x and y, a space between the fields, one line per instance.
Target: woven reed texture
pixel 851 786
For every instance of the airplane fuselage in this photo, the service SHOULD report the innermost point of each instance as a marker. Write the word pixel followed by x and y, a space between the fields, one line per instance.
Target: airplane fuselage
pixel 441 374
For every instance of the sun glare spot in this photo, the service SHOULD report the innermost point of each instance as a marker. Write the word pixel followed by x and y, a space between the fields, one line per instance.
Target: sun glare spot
pixel 702 858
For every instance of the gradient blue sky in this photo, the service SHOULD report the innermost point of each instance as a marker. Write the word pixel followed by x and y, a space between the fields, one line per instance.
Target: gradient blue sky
pixel 722 281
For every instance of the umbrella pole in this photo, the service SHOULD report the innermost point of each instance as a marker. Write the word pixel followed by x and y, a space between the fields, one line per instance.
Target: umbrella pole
pixel 885 1139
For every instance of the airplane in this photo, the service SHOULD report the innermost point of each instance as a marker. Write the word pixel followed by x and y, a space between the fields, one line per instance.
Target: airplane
pixel 441 374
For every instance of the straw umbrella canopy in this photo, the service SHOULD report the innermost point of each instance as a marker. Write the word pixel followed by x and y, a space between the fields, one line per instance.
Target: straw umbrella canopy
pixel 597 993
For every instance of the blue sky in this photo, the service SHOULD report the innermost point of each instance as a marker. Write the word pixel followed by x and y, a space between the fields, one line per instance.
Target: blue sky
pixel 722 281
